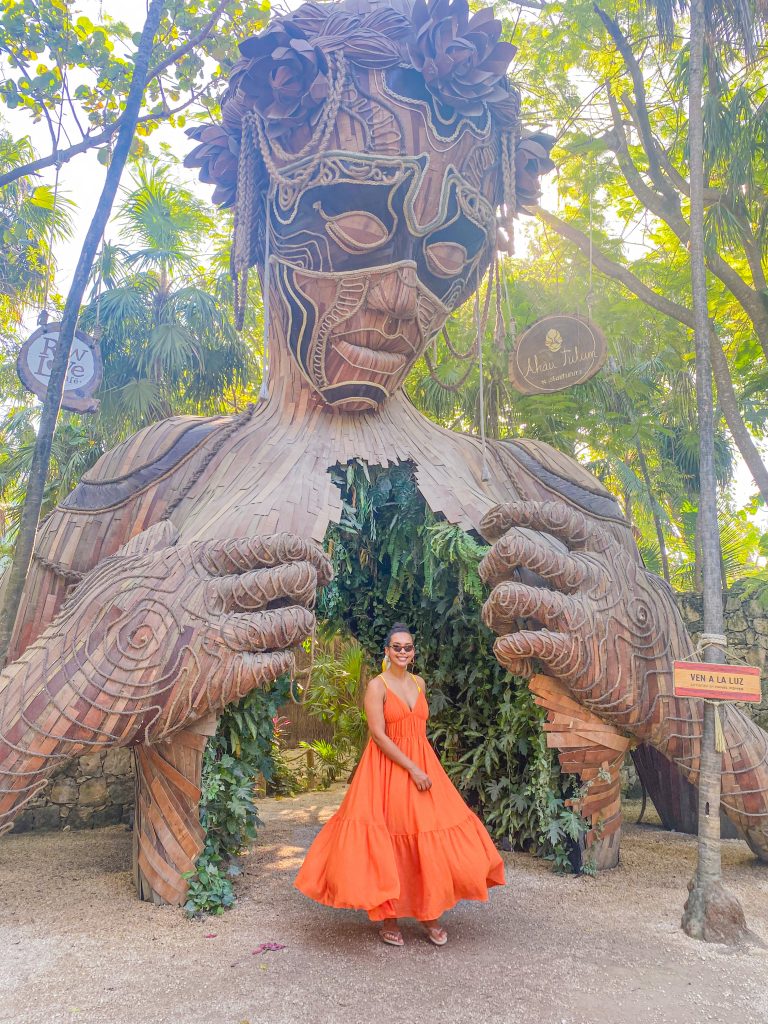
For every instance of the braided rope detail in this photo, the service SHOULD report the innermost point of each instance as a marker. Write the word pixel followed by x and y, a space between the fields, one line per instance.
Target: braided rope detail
pixel 70 576
pixel 509 199
pixel 481 324
pixel 254 141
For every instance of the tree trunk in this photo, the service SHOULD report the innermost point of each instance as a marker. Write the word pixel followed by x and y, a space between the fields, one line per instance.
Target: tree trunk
pixel 654 513
pixel 41 457
pixel 711 913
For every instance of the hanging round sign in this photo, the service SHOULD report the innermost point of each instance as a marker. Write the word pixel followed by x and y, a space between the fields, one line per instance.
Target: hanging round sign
pixel 84 371
pixel 555 353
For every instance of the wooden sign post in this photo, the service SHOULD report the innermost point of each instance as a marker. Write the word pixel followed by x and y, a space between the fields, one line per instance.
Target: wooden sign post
pixel 711 912
pixel 555 353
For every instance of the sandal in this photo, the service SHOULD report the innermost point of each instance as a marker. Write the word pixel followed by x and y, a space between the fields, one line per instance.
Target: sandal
pixel 391 935
pixel 436 933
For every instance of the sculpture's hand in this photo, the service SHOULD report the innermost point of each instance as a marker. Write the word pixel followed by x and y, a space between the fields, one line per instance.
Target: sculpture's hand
pixel 153 639
pixel 594 617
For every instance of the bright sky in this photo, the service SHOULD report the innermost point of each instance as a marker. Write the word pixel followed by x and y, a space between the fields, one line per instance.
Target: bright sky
pixel 82 180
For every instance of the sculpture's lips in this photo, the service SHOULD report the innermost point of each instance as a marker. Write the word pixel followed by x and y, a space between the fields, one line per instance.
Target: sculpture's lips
pixel 375 360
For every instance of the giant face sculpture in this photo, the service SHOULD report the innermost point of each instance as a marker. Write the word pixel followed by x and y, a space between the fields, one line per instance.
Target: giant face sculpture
pixel 368 143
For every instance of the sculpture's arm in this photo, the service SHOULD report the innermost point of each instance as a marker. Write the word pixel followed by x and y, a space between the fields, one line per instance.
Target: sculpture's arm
pixel 129 489
pixel 152 640
pixel 611 631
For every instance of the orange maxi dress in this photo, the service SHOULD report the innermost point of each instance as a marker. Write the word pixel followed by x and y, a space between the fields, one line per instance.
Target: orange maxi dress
pixel 394 850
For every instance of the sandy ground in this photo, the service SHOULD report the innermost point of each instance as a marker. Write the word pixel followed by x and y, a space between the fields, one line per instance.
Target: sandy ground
pixel 77 947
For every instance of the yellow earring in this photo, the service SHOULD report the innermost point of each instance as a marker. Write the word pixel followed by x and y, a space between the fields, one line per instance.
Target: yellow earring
pixel 386 663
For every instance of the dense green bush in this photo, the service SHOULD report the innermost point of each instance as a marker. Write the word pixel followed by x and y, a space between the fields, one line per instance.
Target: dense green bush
pixel 241 749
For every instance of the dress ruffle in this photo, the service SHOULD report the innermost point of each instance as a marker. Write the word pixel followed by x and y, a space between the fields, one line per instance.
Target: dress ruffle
pixel 393 850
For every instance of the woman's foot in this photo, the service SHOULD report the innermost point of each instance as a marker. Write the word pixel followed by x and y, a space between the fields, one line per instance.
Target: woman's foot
pixel 436 933
pixel 390 933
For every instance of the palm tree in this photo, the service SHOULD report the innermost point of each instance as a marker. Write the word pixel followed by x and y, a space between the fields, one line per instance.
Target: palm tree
pixel 29 221
pixel 167 341
pixel 714 24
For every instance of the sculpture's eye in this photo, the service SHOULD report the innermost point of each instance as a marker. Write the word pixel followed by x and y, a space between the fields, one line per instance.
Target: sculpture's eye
pixel 446 259
pixel 356 231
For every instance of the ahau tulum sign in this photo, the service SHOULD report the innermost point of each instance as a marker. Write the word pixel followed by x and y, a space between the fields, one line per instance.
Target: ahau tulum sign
pixel 555 353
pixel 84 371
pixel 717 682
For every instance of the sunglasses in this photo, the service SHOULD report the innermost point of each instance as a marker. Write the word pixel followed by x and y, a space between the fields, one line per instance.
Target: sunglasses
pixel 402 648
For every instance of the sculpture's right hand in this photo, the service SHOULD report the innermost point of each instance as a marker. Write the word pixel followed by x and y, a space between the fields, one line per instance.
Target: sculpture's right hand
pixel 151 640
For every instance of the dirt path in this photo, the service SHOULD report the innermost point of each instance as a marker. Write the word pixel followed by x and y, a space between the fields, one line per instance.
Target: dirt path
pixel 78 948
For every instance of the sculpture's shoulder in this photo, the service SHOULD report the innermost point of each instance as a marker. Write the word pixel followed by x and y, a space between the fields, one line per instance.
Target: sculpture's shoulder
pixel 552 472
pixel 143 460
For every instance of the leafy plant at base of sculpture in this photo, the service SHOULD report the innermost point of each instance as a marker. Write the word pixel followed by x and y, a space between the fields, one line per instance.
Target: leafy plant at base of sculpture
pixel 241 749
pixel 394 561
pixel 334 696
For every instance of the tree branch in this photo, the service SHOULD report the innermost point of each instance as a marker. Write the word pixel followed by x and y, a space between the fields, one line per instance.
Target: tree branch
pixel 90 141
pixel 622 44
pixel 671 213
pixel 725 391
pixel 182 51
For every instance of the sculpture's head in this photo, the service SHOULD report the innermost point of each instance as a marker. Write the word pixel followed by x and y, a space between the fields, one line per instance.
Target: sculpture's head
pixel 377 141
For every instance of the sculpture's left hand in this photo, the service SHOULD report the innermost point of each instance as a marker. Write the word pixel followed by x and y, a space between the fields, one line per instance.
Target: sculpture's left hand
pixel 595 618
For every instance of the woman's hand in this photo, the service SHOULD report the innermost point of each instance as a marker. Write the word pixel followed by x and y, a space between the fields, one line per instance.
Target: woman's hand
pixel 421 778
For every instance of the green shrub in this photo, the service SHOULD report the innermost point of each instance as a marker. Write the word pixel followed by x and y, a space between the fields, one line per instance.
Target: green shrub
pixel 241 749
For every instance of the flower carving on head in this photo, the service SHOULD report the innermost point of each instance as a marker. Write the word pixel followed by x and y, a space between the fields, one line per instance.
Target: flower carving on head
pixel 285 77
pixel 463 61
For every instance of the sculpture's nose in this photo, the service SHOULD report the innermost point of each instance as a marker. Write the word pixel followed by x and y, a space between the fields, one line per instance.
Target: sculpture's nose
pixel 395 293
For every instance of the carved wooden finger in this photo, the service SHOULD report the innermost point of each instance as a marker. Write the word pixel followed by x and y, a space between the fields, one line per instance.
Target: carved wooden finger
pixel 558 651
pixel 511 601
pixel 277 629
pixel 295 581
pixel 562 521
pixel 159 535
pixel 220 558
pixel 520 548
pixel 258 670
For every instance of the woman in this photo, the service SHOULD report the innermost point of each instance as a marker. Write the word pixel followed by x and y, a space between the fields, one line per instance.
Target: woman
pixel 403 843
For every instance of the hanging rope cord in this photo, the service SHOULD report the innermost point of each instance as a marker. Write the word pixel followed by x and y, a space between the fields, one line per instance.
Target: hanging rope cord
pixel 255 143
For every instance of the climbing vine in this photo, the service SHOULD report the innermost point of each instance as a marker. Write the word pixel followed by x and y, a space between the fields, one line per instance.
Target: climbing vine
pixel 242 748
pixel 394 560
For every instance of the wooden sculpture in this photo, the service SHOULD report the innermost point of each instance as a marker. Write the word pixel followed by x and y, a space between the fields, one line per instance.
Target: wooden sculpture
pixel 374 157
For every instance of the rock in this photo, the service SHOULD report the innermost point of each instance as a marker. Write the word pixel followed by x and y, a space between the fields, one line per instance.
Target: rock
pixel 90 764
pixel 713 914
pixel 121 791
pixel 118 761
pixel 93 792
pixel 110 815
pixel 37 819
pixel 736 622
pixel 64 791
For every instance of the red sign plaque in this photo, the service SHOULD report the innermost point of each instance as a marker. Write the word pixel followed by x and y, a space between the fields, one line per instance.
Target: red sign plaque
pixel 717 682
